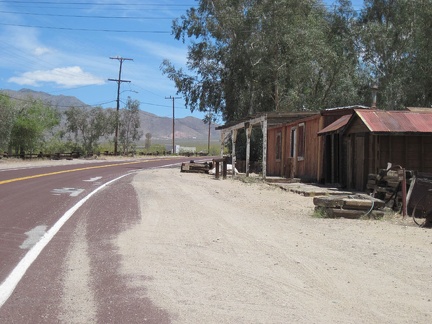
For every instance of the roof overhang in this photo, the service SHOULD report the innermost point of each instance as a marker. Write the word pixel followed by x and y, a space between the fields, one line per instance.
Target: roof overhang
pixel 272 119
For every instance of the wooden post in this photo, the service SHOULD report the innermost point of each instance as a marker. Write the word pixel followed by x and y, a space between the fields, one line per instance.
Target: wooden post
pixel 333 158
pixel 222 142
pixel 234 140
pixel 404 194
pixel 264 156
pixel 216 162
pixel 225 168
pixel 248 129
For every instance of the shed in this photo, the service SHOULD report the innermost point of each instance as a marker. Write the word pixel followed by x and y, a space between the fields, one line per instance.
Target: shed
pixel 372 138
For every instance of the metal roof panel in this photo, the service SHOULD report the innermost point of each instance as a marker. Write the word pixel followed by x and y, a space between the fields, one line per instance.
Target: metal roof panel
pixel 336 125
pixel 379 121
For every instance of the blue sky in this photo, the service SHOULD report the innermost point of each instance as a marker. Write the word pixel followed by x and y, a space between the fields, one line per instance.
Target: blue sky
pixel 64 47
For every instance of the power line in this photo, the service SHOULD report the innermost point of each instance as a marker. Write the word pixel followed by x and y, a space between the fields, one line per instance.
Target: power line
pixel 90 29
pixel 96 4
pixel 84 16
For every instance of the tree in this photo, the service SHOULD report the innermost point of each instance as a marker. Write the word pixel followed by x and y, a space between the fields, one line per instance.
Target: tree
pixel 252 56
pixel 419 85
pixel 129 124
pixel 88 125
pixel 33 120
pixel 386 29
pixel 147 143
pixel 7 117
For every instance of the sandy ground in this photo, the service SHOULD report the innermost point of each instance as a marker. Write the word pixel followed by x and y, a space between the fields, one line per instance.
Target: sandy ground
pixel 226 251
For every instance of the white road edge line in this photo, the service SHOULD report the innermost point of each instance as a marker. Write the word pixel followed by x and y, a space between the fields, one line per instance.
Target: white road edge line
pixel 8 286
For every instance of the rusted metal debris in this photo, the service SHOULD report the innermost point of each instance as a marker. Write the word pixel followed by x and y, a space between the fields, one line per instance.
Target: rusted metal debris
pixel 391 185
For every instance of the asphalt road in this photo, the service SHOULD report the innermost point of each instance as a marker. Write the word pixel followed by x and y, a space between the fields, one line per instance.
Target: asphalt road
pixel 41 209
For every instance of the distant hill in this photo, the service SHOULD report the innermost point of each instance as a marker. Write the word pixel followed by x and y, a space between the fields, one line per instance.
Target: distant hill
pixel 160 127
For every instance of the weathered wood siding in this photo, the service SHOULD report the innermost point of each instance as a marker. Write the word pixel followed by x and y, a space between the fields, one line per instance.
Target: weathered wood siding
pixel 368 153
pixel 307 167
pixel 274 166
pixel 410 151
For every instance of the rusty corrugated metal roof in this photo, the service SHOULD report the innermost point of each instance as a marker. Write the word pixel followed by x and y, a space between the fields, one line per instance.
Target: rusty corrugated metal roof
pixel 380 121
pixel 336 125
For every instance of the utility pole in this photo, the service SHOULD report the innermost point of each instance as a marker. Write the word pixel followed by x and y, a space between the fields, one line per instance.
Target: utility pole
pixel 173 122
pixel 119 81
pixel 210 117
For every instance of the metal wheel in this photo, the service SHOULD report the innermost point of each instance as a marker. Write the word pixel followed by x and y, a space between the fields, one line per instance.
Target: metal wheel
pixel 425 218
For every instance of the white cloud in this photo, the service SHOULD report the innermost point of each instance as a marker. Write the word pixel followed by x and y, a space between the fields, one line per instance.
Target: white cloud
pixel 41 51
pixel 65 77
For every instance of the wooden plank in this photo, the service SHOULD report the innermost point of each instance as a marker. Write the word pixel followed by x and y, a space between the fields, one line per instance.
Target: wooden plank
pixel 343 213
pixel 360 204
pixel 355 214
pixel 330 202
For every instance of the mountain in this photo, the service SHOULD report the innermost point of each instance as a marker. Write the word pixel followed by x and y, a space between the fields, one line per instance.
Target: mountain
pixel 160 127
pixel 60 102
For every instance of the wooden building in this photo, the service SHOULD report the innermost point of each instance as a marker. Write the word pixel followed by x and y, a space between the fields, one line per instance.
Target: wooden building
pixel 296 151
pixel 263 121
pixel 367 140
pixel 291 146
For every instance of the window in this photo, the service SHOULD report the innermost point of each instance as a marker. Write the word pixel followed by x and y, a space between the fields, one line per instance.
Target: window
pixel 301 141
pixel 278 146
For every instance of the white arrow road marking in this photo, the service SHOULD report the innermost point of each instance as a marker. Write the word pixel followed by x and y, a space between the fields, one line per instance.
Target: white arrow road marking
pixel 8 286
pixel 33 236
pixel 73 192
pixel 93 179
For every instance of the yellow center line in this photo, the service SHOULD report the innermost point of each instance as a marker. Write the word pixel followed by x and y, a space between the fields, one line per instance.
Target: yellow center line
pixel 71 170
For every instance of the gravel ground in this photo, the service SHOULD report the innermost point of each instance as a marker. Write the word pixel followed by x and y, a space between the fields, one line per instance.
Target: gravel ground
pixel 224 251
pixel 227 251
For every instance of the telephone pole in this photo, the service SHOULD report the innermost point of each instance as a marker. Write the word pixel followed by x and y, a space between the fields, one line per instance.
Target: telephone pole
pixel 173 122
pixel 119 81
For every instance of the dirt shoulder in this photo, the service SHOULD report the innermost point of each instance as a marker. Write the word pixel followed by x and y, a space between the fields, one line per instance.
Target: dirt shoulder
pixel 224 251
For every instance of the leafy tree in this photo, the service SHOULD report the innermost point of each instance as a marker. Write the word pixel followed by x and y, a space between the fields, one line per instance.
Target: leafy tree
pixel 88 125
pixel 129 124
pixel 33 120
pixel 147 143
pixel 214 25
pixel 251 56
pixel 7 116
pixel 387 30
pixel 419 83
pixel 341 80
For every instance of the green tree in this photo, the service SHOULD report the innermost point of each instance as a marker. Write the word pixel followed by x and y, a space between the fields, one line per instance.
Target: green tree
pixel 88 125
pixel 147 143
pixel 129 124
pixel 33 120
pixel 386 29
pixel 419 83
pixel 7 117
pixel 251 56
